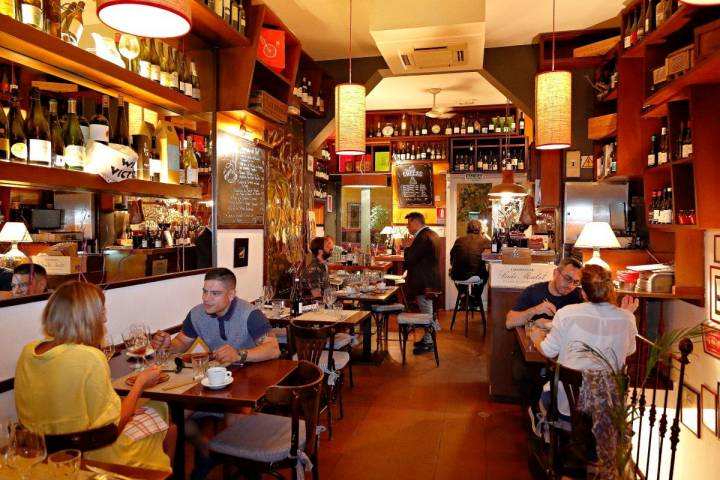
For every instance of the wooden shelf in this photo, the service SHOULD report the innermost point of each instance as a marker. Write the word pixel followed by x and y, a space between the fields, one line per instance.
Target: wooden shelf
pixel 309 112
pixel 27 46
pixel 705 72
pixel 30 176
pixel 686 294
pixel 213 29
pixel 677 21
pixel 613 95
pixel 672 227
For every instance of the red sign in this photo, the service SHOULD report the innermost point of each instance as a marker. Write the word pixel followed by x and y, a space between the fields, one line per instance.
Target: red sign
pixel 440 214
pixel 711 340
pixel 271 48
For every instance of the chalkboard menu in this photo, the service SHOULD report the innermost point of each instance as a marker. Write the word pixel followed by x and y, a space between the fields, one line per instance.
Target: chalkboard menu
pixel 415 184
pixel 241 183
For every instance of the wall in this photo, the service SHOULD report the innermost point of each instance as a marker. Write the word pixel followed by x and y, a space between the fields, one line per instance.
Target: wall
pixel 250 278
pixel 512 71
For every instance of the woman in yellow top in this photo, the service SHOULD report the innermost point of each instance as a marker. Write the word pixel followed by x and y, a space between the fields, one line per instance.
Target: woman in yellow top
pixel 63 385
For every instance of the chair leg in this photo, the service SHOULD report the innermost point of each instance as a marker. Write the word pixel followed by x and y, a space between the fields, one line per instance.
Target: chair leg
pixel 350 372
pixel 435 348
pixel 339 386
pixel 387 330
pixel 457 304
pixel 379 317
pixel 403 341
pixel 328 403
pixel 482 314
pixel 467 310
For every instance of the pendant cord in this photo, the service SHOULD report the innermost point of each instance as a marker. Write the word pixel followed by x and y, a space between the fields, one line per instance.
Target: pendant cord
pixel 553 37
pixel 350 47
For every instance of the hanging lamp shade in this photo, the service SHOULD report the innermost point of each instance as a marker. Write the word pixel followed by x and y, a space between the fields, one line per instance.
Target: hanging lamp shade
pixel 350 119
pixel 508 188
pixel 553 110
pixel 701 3
pixel 147 18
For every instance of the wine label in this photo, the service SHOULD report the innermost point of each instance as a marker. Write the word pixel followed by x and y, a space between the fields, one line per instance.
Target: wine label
pixel 191 177
pixel 662 158
pixel 19 150
pixel 145 69
pixel 651 160
pixel 165 79
pixel 155 73
pixel 75 157
pixel 99 133
pixel 4 149
pixel 196 93
pixel 182 178
pixel 39 151
pixel 686 150
pixel 75 30
pixel 189 89
pixel 174 82
pixel 31 15
pixel 470 129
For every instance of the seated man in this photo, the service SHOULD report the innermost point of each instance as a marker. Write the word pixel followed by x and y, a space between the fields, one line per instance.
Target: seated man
pixel 466 258
pixel 29 279
pixel 316 277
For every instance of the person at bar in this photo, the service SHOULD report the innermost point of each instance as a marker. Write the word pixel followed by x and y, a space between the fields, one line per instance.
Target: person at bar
pixel 63 385
pixel 466 258
pixel 421 263
pixel 29 279
pixel 316 277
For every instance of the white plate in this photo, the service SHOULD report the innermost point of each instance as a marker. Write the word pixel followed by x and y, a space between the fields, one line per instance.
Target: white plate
pixel 148 353
pixel 206 383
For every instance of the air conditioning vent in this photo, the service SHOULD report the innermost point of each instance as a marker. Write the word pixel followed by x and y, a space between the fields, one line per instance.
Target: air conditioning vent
pixel 406 60
pixel 440 56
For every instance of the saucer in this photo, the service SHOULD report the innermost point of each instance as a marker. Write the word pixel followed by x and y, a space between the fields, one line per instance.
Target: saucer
pixel 148 352
pixel 206 384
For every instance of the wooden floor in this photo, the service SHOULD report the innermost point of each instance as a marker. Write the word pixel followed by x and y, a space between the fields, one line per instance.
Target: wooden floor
pixel 422 422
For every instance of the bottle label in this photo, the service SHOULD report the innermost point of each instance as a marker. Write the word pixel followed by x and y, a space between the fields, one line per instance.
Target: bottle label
pixel 99 133
pixel 686 150
pixel 182 177
pixel 75 30
pixel 626 41
pixel 196 93
pixel 39 151
pixel 174 80
pixel 155 73
pixel 19 150
pixel 31 15
pixel 145 69
pixel 662 158
pixel 75 157
pixel 188 89
pixel 165 80
pixel 4 149
pixel 191 177
pixel 651 160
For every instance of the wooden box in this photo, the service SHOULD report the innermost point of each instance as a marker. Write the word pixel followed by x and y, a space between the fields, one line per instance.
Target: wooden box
pixel 596 49
pixel 707 39
pixel 268 106
pixel 660 75
pixel 680 61
pixel 602 126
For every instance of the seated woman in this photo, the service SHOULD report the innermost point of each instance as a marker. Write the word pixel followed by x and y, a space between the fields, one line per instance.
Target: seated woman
pixel 63 385
pixel 317 277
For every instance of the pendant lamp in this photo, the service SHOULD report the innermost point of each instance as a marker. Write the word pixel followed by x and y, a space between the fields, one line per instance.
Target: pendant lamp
pixel 701 3
pixel 553 105
pixel 350 112
pixel 147 18
pixel 508 189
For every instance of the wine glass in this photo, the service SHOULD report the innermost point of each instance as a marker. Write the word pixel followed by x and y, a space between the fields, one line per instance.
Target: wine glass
pixel 5 428
pixel 136 342
pixel 26 450
pixel 129 47
pixel 108 346
pixel 268 293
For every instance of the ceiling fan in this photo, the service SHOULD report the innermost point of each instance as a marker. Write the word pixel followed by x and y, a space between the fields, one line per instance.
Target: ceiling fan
pixel 436 111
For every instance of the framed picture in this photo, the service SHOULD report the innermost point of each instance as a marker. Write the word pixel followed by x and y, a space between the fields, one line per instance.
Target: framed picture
pixel 709 409
pixel 310 163
pixel 353 215
pixel 690 412
pixel 716 249
pixel 715 293
pixel 711 340
pixel 240 252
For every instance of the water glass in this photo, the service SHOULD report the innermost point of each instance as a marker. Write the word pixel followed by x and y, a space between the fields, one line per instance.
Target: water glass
pixel 200 365
pixel 26 450
pixel 162 357
pixel 108 347
pixel 268 293
pixel 6 426
pixel 337 309
pixel 65 464
pixel 278 306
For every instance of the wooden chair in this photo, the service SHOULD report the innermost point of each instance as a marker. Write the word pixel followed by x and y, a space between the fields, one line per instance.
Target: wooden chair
pixel 84 441
pixel 316 345
pixel 265 443
pixel 408 322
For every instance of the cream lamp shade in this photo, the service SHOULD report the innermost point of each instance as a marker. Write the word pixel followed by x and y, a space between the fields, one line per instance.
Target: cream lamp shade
pixel 553 110
pixel 387 230
pixel 147 18
pixel 508 189
pixel 350 119
pixel 597 235
pixel 702 3
pixel 14 232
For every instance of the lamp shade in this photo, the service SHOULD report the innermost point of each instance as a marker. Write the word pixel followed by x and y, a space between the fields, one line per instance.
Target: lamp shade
pixel 508 188
pixel 553 110
pixel 388 230
pixel 350 119
pixel 147 18
pixel 597 235
pixel 701 3
pixel 14 232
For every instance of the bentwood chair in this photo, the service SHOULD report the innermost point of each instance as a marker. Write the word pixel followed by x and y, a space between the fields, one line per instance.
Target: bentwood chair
pixel 85 440
pixel 266 443
pixel 317 345
pixel 408 322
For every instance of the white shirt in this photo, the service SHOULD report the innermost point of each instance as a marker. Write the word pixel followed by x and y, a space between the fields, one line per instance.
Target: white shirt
pixel 608 329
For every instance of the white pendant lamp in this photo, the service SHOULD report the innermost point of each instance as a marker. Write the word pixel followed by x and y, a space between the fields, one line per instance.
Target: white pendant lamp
pixel 553 106
pixel 147 18
pixel 350 112
pixel 701 3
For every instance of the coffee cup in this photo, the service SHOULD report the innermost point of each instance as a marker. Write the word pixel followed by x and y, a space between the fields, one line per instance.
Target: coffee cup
pixel 218 375
pixel 350 290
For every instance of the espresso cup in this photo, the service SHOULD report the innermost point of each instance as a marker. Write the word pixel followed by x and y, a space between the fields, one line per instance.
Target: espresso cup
pixel 218 375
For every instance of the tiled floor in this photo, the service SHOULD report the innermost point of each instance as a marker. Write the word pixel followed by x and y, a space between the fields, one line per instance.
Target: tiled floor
pixel 422 422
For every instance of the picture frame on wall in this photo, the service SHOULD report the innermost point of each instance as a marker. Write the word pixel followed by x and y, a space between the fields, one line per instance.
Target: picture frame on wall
pixel 572 164
pixel 711 340
pixel 241 252
pixel 690 409
pixel 715 293
pixel 353 215
pixel 716 249
pixel 710 412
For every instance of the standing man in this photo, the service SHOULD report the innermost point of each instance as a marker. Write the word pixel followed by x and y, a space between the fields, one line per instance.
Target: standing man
pixel 421 263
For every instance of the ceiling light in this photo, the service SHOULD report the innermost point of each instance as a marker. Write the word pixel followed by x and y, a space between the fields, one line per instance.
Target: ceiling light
pixel 701 3
pixel 508 189
pixel 147 18
pixel 553 106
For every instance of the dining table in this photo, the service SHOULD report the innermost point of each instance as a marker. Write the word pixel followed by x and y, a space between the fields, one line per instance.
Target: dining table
pixel 183 392
pixel 91 470
pixel 529 352
pixel 375 266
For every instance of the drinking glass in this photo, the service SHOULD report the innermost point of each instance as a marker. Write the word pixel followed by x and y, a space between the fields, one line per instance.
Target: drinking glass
pixel 6 427
pixel 137 344
pixel 65 464
pixel 329 297
pixel 337 309
pixel 278 306
pixel 129 47
pixel 108 346
pixel 26 450
pixel 268 293
pixel 200 365
pixel 162 357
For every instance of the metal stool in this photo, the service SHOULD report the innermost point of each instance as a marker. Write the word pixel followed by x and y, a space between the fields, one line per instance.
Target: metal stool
pixel 466 293
pixel 410 321
pixel 399 281
pixel 382 313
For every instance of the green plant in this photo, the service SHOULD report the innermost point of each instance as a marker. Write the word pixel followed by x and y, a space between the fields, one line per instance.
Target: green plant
pixel 379 218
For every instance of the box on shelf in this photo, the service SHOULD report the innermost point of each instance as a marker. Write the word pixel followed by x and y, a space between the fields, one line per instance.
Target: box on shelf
pixel 268 106
pixel 707 40
pixel 660 75
pixel 679 61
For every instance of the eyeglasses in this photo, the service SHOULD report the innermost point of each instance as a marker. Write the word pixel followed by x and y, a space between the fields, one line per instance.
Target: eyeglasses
pixel 570 280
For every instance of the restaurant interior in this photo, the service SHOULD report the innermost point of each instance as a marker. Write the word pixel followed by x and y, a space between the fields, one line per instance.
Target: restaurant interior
pixel 331 169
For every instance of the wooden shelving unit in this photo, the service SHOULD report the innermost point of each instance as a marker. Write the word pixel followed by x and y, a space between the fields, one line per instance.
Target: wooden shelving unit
pixel 27 46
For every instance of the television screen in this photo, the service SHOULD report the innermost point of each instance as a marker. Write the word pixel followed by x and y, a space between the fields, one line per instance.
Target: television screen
pixel 46 219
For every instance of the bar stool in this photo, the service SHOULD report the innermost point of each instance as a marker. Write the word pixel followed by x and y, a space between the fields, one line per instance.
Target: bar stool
pixel 466 293
pixel 382 313
pixel 399 281
pixel 410 321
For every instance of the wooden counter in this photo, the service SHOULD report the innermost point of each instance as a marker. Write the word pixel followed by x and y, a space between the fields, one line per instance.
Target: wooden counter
pixel 503 346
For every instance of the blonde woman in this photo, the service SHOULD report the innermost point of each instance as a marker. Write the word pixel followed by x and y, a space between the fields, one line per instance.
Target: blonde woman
pixel 63 385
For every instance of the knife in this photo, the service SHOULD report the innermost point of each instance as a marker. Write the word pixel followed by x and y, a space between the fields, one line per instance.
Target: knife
pixel 99 470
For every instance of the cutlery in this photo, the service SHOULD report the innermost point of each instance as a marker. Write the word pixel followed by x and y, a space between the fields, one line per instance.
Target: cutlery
pixel 173 387
pixel 105 474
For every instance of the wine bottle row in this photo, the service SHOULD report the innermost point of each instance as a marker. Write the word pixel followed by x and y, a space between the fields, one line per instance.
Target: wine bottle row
pixel 421 151
pixel 644 19
pixel 303 92
pixel 231 11
pixel 661 210
pixel 61 21
pixel 489 161
pixel 166 65
pixel 51 140
pixel 462 125
pixel 660 148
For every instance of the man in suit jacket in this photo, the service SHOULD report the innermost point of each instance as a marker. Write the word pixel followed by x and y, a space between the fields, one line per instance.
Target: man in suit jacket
pixel 466 257
pixel 421 263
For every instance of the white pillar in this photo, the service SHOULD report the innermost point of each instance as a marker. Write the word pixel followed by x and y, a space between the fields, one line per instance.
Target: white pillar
pixel 365 217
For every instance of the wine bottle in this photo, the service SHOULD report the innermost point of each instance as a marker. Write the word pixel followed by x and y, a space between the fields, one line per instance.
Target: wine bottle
pixel 31 13
pixel 187 73
pixel 521 130
pixel 17 136
pixel 321 101
pixel 296 299
pixel 144 58
pixel 652 155
pixel 173 69
pixel 73 139
pixel 195 82
pixel 56 138
pixel 4 140
pixel 662 154
pixel 121 133
pixel 7 7
pixel 165 80
pixel 687 145
pixel 463 126
pixel 189 163
pixel 649 24
pixel 52 17
pixel 634 28
pixel 243 19
pixel 470 126
pixel 234 19
pixel 181 71
pixel 219 7
pixel 660 12
pixel 99 130
pixel 641 22
pixel 72 25
pixel 155 73
pixel 37 130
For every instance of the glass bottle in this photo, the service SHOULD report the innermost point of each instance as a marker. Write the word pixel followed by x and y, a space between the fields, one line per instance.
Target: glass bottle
pixel 7 7
pixel 73 139
pixel 165 80
pixel 37 130
pixel 4 132
pixel 52 17
pixel 189 163
pixel 17 137
pixel 121 133
pixel 99 130
pixel 173 69
pixel 195 82
pixel 155 73
pixel 31 13
pixel 144 58
pixel 56 137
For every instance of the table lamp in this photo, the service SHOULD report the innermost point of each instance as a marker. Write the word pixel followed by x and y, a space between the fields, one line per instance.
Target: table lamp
pixel 597 235
pixel 14 232
pixel 388 232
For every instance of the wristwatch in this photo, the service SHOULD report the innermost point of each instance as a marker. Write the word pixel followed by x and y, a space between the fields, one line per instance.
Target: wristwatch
pixel 243 353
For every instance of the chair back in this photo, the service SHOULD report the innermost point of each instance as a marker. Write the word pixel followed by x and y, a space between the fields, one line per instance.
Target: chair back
pixel 301 392
pixel 86 440
pixel 310 341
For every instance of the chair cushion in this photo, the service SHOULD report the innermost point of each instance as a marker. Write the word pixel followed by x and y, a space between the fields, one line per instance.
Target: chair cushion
pixel 415 319
pixel 259 437
pixel 474 280
pixel 393 278
pixel 342 340
pixel 391 307
pixel 340 358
